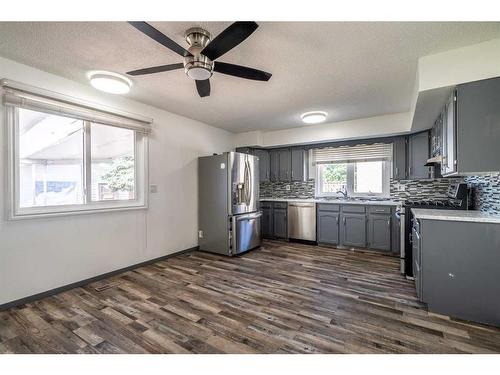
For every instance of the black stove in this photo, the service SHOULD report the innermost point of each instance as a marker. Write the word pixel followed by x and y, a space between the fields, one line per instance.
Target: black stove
pixel 457 199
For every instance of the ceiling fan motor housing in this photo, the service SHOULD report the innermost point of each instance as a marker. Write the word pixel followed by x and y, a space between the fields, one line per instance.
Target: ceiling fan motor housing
pixel 197 66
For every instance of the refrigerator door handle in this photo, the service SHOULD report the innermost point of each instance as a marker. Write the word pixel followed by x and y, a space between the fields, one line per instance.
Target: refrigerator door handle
pixel 253 215
pixel 248 191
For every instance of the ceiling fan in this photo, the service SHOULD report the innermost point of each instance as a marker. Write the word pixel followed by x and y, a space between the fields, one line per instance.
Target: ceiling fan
pixel 199 59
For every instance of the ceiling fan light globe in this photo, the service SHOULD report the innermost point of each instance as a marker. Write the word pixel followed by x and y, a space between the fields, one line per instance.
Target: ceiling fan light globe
pixel 199 74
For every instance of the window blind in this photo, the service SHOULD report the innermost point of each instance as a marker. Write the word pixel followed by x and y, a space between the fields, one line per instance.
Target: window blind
pixel 350 154
pixel 24 96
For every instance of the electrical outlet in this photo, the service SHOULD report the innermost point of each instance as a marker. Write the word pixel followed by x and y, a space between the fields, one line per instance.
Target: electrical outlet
pixel 401 187
pixel 287 187
pixel 200 234
pixel 153 189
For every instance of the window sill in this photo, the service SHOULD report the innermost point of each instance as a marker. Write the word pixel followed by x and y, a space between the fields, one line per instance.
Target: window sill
pixel 38 214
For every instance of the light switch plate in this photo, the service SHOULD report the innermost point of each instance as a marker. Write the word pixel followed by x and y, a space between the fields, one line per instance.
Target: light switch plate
pixel 401 187
pixel 287 187
pixel 153 189
pixel 200 234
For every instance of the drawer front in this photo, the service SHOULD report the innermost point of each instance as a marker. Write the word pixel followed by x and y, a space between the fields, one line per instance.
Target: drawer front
pixel 280 205
pixel 379 209
pixel 266 204
pixel 329 207
pixel 354 208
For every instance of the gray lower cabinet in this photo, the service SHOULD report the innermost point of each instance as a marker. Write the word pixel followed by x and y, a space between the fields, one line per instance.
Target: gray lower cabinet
pixel 264 164
pixel 328 227
pixel 379 232
pixel 274 219
pixel 416 255
pixel 356 226
pixel 353 229
pixel 280 223
pixel 267 222
pixel 418 153
pixel 459 263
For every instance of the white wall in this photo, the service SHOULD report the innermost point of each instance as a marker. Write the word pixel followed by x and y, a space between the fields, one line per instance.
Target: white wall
pixel 40 254
pixel 467 64
pixel 379 126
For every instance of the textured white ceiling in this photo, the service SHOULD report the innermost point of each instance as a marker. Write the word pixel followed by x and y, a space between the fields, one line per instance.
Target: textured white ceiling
pixel 349 69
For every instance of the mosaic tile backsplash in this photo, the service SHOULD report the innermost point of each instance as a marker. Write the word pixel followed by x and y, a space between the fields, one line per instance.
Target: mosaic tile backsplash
pixel 303 190
pixel 486 188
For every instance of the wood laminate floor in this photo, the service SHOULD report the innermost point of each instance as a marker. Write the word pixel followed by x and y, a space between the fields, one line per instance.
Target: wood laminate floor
pixel 282 298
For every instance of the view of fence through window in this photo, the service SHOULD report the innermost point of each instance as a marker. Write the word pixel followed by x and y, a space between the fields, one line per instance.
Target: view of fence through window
pixel 334 178
pixel 113 164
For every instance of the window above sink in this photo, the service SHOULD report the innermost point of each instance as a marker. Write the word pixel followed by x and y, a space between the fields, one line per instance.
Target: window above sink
pixel 356 171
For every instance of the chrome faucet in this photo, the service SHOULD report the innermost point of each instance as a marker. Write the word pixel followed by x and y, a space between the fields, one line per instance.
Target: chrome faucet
pixel 343 192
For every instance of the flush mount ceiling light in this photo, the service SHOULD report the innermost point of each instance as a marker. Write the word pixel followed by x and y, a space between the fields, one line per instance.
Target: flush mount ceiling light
pixel 314 117
pixel 110 82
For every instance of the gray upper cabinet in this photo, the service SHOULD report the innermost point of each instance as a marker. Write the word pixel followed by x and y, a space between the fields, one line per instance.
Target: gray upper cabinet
pixel 418 153
pixel 477 125
pixel 285 164
pixel 299 160
pixel 448 144
pixel 244 150
pixel 379 232
pixel 353 229
pixel 274 165
pixel 399 158
pixel 264 164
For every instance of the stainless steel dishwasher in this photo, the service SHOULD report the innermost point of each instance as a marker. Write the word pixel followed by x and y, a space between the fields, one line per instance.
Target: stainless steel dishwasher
pixel 302 221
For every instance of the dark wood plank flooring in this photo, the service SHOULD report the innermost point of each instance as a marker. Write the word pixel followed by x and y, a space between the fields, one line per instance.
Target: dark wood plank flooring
pixel 282 298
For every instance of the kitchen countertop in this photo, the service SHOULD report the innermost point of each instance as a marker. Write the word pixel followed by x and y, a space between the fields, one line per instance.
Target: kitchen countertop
pixel 455 215
pixel 334 201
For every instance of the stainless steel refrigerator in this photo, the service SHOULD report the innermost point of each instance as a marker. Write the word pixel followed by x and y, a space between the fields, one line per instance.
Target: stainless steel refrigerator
pixel 228 202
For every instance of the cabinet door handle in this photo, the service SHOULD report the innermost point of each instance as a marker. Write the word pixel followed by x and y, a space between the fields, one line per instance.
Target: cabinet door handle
pixel 397 171
pixel 344 220
pixel 388 223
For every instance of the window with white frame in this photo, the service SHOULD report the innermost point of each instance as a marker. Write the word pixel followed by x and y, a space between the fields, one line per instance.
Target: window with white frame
pixel 361 170
pixel 70 158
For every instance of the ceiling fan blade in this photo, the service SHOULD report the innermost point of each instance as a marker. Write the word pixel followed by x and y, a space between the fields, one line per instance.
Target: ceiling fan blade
pixel 229 38
pixel 241 71
pixel 156 69
pixel 161 38
pixel 203 87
